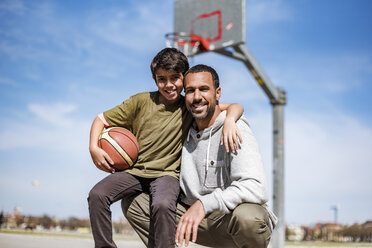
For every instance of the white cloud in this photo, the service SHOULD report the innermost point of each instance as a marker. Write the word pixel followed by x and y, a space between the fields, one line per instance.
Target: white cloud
pixel 326 145
pixel 53 113
pixel 133 28
pixel 52 129
pixel 327 159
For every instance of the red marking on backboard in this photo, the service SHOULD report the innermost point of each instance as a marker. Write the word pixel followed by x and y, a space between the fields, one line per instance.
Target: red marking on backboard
pixel 206 42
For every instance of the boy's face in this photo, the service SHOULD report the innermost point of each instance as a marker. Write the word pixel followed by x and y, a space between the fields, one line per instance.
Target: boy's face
pixel 170 85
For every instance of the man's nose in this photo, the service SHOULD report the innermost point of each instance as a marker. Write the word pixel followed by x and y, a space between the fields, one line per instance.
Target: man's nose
pixel 197 95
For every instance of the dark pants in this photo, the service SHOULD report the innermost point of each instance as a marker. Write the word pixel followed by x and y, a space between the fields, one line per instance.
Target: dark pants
pixel 164 192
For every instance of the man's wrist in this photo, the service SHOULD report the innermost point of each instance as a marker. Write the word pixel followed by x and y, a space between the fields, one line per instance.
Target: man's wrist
pixel 207 203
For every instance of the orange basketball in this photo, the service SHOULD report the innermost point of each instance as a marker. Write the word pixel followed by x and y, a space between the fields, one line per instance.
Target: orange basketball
pixel 121 145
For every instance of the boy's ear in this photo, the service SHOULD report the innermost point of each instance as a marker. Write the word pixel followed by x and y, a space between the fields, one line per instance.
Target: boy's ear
pixel 153 77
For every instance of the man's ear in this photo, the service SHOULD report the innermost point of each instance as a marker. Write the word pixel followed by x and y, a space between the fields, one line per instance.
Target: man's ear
pixel 218 93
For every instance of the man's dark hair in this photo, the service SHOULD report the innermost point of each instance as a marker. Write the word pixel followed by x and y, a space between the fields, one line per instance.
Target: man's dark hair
pixel 205 68
pixel 170 59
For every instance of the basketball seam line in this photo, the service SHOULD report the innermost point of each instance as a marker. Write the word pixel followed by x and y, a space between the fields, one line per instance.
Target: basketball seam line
pixel 130 138
pixel 119 149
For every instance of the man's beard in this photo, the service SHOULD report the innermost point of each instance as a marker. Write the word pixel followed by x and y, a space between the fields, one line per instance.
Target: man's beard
pixel 206 114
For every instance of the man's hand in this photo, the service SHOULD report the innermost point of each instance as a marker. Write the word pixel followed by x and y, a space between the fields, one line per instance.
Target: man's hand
pixel 189 223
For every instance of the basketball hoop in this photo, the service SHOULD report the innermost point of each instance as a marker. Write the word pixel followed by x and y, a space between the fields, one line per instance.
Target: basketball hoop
pixel 186 43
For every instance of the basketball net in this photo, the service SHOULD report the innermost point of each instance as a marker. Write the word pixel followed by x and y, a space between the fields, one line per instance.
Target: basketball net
pixel 186 43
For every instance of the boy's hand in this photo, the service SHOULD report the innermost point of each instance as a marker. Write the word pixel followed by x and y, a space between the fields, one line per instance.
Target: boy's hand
pixel 101 159
pixel 189 223
pixel 230 135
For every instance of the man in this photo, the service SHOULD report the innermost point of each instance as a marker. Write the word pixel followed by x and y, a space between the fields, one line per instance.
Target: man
pixel 224 194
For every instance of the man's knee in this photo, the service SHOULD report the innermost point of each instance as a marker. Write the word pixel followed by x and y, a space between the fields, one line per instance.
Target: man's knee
pixel 251 222
pixel 135 206
pixel 125 205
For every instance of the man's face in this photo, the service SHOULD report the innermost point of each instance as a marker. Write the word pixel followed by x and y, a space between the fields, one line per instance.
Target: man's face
pixel 169 85
pixel 200 95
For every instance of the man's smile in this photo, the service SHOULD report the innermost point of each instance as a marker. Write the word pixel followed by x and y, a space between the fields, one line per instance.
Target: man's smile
pixel 198 107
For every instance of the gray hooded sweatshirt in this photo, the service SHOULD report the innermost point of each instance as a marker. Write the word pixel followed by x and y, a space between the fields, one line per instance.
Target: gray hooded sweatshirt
pixel 221 180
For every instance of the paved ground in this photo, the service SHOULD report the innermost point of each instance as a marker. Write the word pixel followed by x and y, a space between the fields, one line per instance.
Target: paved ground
pixel 8 240
pixel 38 241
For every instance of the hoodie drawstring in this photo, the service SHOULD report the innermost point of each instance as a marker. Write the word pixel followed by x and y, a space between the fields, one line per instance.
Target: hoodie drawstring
pixel 209 145
pixel 188 135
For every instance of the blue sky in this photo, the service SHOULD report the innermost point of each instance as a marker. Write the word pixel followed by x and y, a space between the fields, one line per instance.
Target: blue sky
pixel 63 62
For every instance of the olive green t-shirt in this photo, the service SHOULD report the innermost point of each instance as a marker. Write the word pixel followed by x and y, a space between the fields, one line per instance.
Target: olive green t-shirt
pixel 160 131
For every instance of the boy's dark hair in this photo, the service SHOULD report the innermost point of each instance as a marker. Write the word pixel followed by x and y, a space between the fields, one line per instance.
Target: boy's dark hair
pixel 170 59
pixel 205 68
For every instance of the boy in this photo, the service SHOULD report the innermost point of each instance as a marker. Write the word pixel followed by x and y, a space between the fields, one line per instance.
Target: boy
pixel 160 122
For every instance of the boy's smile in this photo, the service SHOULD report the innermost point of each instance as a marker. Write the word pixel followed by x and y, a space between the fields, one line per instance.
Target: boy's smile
pixel 170 85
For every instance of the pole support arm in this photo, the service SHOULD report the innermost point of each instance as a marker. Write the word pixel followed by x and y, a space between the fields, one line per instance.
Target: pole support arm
pixel 242 53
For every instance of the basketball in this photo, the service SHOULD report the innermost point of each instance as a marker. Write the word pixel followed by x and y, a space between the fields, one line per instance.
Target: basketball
pixel 121 145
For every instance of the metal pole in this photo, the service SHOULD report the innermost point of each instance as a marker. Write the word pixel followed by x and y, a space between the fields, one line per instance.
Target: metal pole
pixel 277 97
pixel 278 237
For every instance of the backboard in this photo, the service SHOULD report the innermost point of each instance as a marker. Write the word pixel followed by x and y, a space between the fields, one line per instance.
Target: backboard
pixel 215 24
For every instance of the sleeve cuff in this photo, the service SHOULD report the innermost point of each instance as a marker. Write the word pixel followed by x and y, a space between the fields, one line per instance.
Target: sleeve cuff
pixel 105 123
pixel 209 203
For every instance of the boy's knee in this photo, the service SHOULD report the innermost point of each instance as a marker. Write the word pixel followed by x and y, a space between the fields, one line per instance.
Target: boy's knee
pixel 96 196
pixel 163 206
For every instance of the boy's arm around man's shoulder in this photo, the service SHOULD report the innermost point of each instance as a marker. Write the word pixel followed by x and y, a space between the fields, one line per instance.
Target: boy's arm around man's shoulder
pixel 230 134
pixel 247 175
